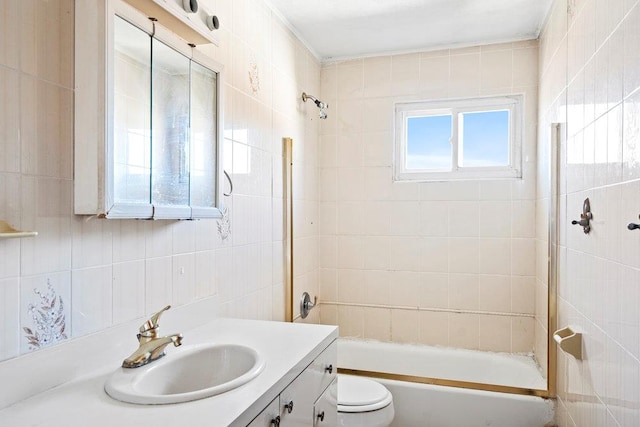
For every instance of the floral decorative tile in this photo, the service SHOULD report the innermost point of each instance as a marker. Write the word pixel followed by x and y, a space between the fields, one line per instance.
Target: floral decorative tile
pixel 45 311
pixel 224 224
pixel 254 76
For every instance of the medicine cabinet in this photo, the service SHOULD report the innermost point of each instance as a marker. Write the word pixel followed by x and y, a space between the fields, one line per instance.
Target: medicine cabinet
pixel 147 119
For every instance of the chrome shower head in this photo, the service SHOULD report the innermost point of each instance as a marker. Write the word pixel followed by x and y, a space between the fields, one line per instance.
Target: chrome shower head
pixel 321 105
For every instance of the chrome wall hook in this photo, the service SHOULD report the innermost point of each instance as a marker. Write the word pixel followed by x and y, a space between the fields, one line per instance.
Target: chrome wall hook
pixel 585 217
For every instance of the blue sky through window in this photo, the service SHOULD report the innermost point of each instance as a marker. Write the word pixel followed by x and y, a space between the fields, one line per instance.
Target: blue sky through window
pixel 485 138
pixel 428 145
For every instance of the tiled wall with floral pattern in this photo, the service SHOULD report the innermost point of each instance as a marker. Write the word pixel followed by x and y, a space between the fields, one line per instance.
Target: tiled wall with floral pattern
pixel 91 274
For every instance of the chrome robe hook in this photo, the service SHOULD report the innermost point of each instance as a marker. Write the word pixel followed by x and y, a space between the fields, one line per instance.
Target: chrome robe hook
pixel 585 217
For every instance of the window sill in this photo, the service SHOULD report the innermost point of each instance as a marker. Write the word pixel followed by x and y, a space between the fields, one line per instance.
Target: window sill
pixel 458 176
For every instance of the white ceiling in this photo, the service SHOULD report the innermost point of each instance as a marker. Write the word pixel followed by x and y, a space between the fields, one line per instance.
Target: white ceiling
pixel 351 28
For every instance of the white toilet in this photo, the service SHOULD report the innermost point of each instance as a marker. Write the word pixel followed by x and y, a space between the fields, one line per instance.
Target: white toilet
pixel 363 403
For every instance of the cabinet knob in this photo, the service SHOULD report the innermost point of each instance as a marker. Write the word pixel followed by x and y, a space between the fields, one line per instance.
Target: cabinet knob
pixel 329 369
pixel 276 421
pixel 321 416
pixel 289 406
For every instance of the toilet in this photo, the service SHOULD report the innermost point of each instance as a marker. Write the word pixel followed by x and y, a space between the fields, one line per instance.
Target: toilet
pixel 363 403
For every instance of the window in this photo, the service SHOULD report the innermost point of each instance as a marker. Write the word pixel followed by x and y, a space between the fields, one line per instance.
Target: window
pixel 479 138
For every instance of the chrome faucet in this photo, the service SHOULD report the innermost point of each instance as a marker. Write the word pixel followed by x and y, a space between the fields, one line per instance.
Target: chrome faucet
pixel 151 347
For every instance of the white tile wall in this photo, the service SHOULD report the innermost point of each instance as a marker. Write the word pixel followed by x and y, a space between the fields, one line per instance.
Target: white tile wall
pixel 10 318
pixel 91 297
pixel 588 58
pixel 128 291
pixel 415 247
pixel 110 272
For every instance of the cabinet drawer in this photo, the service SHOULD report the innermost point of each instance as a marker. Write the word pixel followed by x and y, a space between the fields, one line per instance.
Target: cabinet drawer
pixel 268 416
pixel 324 368
pixel 297 400
pixel 325 410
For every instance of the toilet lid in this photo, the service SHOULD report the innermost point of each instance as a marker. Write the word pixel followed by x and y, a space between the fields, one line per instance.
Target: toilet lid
pixel 361 395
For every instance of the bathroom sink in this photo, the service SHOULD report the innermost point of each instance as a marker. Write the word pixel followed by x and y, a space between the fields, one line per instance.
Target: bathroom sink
pixel 190 373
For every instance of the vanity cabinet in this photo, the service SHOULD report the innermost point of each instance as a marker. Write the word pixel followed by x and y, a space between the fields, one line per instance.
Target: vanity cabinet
pixel 309 400
pixel 148 118
pixel 325 410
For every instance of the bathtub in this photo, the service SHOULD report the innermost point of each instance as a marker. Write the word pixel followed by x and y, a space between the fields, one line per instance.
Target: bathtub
pixel 428 405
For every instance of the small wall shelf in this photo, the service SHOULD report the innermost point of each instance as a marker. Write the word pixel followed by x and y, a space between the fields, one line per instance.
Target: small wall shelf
pixel 569 341
pixel 8 232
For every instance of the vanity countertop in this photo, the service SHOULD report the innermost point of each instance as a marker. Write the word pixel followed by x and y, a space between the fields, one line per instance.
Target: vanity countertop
pixel 286 347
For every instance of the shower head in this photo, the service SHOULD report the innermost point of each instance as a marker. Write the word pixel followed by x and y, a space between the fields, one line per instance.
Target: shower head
pixel 321 105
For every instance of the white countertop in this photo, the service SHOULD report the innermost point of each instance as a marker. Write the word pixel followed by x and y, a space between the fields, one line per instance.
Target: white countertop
pixel 287 348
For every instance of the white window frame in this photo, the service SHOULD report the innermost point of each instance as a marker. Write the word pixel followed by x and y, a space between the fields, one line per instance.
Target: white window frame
pixel 405 110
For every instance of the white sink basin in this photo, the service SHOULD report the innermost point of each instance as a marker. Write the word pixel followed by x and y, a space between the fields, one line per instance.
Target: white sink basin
pixel 189 373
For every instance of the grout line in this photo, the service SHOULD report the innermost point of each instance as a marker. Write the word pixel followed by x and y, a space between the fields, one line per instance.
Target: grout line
pixel 437 310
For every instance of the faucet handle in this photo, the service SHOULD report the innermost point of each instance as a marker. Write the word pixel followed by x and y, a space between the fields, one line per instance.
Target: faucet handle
pixel 152 323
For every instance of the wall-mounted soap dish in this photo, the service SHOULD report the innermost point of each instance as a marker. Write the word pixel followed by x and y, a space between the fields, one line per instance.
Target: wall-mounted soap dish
pixel 569 341
pixel 8 232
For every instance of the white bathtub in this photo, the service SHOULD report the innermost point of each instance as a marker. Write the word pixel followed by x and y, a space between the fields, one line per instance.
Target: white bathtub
pixel 426 405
